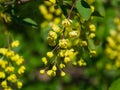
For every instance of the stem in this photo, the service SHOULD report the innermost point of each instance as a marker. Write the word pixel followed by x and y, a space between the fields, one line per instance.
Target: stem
pixel 73 5
pixel 68 17
pixel 8 40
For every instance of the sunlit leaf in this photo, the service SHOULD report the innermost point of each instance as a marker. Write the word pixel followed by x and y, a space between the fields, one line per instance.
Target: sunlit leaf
pixel 83 9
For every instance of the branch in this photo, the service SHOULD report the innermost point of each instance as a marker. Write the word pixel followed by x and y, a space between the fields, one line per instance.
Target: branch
pixel 73 5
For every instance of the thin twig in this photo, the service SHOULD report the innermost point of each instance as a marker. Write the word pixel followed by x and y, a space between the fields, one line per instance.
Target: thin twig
pixel 73 5
pixel 8 40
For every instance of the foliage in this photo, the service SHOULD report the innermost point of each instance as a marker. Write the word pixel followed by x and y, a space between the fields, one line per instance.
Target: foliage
pixel 76 39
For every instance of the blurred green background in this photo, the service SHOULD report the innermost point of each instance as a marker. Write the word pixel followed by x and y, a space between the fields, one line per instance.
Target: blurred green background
pixel 33 47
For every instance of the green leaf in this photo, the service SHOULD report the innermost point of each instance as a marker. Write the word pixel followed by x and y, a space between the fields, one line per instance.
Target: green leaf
pixel 115 85
pixel 29 20
pixel 83 9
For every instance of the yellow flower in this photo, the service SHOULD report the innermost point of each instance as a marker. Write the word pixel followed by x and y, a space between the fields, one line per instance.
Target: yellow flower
pixel 20 61
pixel 3 51
pixel 43 9
pixel 12 78
pixel 92 52
pixel 42 71
pixel 4 84
pixel 73 33
pixel 52 34
pixel 15 43
pixel 66 23
pixel 9 53
pixel 49 72
pixel 92 35
pixel 92 27
pixel 2 75
pixel 50 54
pixel 48 16
pixel 62 65
pixel 58 11
pixel 81 62
pixel 15 57
pixel 44 60
pixel 55 28
pixel 9 69
pixel 62 73
pixel 48 3
pixel 67 59
pixel 3 63
pixel 21 70
pixel 51 9
pixel 83 43
pixel 56 21
pixel 53 1
pixel 19 84
pixel 54 68
pixel 92 8
pixel 63 43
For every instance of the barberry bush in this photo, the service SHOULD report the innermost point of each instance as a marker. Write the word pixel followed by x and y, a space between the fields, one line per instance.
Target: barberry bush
pixel 59 44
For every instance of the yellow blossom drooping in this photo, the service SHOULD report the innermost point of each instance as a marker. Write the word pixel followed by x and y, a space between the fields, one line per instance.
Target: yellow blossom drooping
pixel 19 84
pixel 50 54
pixel 92 28
pixel 11 64
pixel 42 71
pixel 15 43
pixel 62 73
pixel 9 69
pixel 53 1
pixel 113 47
pixel 21 70
pixel 2 75
pixel 4 84
pixel 44 60
pixel 12 78
pixel 65 35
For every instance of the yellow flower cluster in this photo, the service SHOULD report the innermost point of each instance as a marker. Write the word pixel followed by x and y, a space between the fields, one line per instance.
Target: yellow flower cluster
pixel 11 66
pixel 69 38
pixel 49 12
pixel 113 46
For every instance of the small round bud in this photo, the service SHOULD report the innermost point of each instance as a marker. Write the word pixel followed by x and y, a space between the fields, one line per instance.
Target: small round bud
pixel 92 52
pixel 74 63
pixel 50 54
pixel 43 9
pixel 15 44
pixel 63 43
pixel 66 23
pixel 55 28
pixel 73 34
pixel 52 34
pixel 58 11
pixel 4 84
pixel 62 65
pixel 53 1
pixel 92 35
pixel 92 28
pixel 42 71
pixel 52 9
pixel 49 72
pixel 62 73
pixel 92 8
pixel 83 43
pixel 2 75
pixel 44 60
pixel 54 68
pixel 66 59
pixel 19 84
